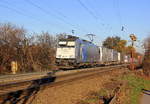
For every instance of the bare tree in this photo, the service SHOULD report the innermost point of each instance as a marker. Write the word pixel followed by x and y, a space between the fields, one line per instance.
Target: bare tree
pixel 11 38
pixel 41 54
pixel 35 53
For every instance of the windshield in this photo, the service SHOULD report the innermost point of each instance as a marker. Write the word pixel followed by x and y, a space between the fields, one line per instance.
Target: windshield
pixel 66 44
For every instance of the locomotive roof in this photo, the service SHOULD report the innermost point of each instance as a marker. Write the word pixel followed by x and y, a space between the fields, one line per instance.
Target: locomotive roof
pixel 69 38
pixel 72 38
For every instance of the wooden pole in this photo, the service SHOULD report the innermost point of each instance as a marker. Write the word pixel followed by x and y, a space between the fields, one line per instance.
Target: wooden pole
pixel 132 66
pixel 133 38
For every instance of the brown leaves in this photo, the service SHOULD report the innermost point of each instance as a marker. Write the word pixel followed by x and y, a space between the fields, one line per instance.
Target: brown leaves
pixel 33 53
pixel 118 44
pixel 115 43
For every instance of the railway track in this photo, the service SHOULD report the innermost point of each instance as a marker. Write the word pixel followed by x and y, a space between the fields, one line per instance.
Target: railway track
pixel 51 80
pixel 5 79
pixel 18 78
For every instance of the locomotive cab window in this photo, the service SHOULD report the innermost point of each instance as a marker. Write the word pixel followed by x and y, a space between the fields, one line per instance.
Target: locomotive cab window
pixel 62 43
pixel 71 43
pixel 66 44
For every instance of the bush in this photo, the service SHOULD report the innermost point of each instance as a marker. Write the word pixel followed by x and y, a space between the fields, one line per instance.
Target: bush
pixel 35 53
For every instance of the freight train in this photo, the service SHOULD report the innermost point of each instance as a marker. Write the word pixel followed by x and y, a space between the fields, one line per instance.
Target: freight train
pixel 75 52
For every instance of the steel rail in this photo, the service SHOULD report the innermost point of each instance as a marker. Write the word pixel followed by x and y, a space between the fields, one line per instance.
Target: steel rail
pixel 53 80
pixel 18 78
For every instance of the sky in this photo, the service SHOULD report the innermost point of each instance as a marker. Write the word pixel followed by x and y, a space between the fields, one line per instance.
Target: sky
pixel 100 17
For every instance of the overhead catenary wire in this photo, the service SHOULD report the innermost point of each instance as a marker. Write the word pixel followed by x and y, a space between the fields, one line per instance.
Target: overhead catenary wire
pixel 108 28
pixel 15 10
pixel 90 12
pixel 99 17
pixel 118 14
pixel 106 25
pixel 94 14
pixel 87 9
pixel 97 14
pixel 52 14
pixel 122 27
pixel 45 11
pixel 18 11
pixel 67 18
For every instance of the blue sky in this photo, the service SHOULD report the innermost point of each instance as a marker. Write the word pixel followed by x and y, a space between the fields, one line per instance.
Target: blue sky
pixel 101 17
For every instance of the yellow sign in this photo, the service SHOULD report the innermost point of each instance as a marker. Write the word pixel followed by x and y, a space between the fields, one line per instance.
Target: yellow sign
pixel 14 67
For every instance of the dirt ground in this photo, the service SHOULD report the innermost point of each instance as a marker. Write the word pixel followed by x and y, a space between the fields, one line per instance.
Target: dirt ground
pixel 71 92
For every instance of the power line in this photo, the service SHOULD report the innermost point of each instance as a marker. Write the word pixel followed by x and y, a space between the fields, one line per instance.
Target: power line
pixel 93 12
pixel 22 13
pixel 90 12
pixel 67 18
pixel 87 9
pixel 94 15
pixel 43 10
pixel 122 26
pixel 52 14
pixel 15 10
pixel 116 6
pixel 107 27
pixel 99 17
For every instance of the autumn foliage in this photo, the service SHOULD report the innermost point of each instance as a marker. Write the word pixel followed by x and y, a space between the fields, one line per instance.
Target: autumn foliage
pixel 33 53
pixel 118 44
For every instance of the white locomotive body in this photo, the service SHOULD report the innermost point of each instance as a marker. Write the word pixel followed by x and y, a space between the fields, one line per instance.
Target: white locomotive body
pixel 76 52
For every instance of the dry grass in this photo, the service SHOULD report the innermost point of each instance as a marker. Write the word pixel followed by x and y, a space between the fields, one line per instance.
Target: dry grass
pixel 105 93
pixel 76 92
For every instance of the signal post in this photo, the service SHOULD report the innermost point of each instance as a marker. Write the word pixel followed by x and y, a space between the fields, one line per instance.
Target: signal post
pixel 133 39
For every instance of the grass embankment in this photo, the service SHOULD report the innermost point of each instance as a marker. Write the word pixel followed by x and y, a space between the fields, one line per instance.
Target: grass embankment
pixel 130 91
pixel 134 86
pixel 104 95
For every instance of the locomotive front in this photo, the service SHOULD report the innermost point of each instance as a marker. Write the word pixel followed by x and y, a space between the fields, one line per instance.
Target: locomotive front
pixel 65 53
